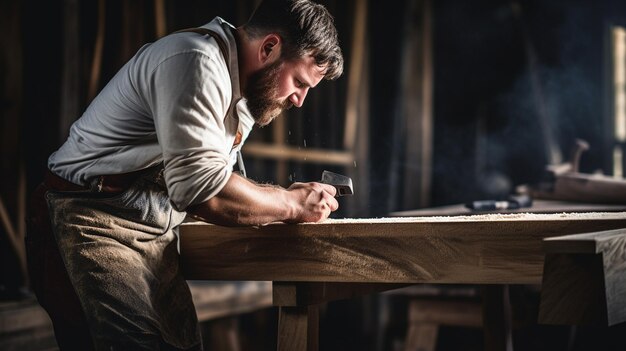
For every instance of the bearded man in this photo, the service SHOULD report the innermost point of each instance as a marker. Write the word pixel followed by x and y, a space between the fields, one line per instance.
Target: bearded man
pixel 161 140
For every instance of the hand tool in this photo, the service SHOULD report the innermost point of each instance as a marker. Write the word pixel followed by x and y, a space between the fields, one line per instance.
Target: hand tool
pixel 342 183
pixel 511 203
pixel 564 182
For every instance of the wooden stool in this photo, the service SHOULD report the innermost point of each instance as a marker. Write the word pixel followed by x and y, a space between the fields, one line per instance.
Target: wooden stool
pixel 430 307
pixel 426 316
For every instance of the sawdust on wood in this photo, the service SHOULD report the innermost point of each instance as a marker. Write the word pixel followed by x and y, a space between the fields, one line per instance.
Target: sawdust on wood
pixel 485 218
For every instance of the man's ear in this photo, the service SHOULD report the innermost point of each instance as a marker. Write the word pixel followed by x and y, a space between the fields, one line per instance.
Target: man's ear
pixel 270 48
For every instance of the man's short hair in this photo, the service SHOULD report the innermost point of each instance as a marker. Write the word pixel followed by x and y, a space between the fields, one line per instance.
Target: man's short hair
pixel 305 27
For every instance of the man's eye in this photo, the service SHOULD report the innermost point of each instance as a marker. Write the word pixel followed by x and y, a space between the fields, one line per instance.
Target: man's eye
pixel 299 84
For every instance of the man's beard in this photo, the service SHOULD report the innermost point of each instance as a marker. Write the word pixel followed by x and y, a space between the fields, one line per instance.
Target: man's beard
pixel 261 91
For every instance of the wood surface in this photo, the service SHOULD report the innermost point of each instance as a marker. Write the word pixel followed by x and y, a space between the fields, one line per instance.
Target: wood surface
pixel 497 249
pixel 294 153
pixel 298 328
pixel 569 280
pixel 24 325
pixel 304 293
pixel 589 188
pixel 588 267
pixel 539 206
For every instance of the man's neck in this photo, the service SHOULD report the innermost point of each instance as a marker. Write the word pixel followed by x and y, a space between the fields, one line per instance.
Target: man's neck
pixel 241 38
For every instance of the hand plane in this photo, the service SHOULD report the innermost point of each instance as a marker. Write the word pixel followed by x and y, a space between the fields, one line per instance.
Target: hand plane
pixel 564 182
pixel 342 183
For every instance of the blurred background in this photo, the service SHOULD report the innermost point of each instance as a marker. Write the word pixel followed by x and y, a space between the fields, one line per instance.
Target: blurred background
pixel 442 102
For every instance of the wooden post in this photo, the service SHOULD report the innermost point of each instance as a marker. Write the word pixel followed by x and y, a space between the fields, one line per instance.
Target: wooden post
pixel 160 27
pixel 298 328
pixel 96 61
pixel 70 90
pixel 410 168
pixel 586 267
pixel 497 328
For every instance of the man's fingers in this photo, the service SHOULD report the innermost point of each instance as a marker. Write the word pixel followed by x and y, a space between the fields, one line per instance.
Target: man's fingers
pixel 332 202
pixel 329 189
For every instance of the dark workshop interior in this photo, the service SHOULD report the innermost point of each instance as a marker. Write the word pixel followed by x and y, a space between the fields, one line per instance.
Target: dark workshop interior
pixel 442 103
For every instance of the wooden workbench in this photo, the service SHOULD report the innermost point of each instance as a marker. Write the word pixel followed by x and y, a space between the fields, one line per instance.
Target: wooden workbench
pixel 314 263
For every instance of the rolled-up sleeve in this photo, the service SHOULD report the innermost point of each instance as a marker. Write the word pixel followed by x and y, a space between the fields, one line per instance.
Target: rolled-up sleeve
pixel 190 96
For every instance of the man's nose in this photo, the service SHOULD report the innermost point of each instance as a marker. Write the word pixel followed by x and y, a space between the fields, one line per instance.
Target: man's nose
pixel 297 98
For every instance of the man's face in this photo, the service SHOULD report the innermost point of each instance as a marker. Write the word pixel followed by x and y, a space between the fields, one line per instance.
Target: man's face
pixel 279 86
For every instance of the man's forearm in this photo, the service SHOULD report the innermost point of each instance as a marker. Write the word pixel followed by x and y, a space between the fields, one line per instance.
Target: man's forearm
pixel 242 202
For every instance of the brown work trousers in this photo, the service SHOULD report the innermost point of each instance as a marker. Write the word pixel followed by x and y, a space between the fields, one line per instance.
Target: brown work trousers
pixel 50 281
pixel 105 267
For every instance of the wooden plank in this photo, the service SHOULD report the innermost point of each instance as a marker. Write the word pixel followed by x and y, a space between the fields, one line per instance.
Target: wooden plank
pixel 539 206
pixel 298 328
pixel 570 279
pixel 215 300
pixel 596 242
pixel 498 249
pixel 588 267
pixel 21 316
pixel 589 188
pixel 452 313
pixel 304 294
pixel 285 153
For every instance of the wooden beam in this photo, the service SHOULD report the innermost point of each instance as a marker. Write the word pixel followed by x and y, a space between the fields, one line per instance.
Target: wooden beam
pixel 489 249
pixel 283 152
pixel 70 84
pixel 451 313
pixel 497 329
pixel 214 300
pixel 590 188
pixel 96 61
pixel 305 294
pixel 298 328
pixel 416 106
pixel 357 59
pixel 588 267
pixel 539 206
pixel 160 27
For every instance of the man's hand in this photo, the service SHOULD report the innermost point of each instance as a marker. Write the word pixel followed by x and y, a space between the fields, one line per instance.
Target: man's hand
pixel 316 201
pixel 242 202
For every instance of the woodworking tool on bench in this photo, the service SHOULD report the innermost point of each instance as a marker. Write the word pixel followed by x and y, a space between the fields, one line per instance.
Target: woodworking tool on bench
pixel 513 202
pixel 342 183
pixel 565 182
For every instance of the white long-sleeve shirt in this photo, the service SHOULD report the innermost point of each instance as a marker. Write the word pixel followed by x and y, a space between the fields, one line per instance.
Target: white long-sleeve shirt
pixel 177 101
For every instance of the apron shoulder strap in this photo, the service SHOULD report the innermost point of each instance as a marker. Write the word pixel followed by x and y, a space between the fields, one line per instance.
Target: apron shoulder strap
pixel 204 31
pixel 224 49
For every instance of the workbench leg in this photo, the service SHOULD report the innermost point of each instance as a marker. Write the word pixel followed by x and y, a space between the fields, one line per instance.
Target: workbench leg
pixel 422 337
pixel 298 328
pixel 497 318
pixel 223 334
